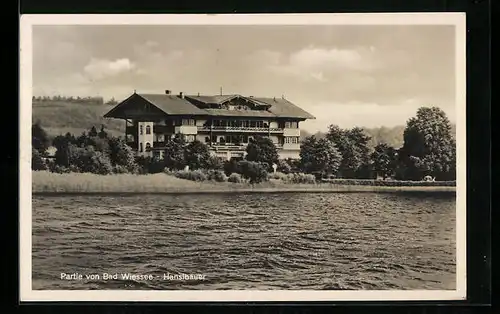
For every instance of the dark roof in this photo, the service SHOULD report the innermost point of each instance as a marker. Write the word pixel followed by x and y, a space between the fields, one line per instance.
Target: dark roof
pixel 216 99
pixel 240 113
pixel 175 105
pixel 172 104
pixel 283 108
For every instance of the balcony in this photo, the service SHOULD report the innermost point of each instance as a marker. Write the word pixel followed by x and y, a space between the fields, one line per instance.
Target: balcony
pixel 163 129
pixel 227 146
pixel 239 129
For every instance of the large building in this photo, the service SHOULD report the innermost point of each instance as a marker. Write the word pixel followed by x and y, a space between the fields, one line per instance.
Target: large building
pixel 226 123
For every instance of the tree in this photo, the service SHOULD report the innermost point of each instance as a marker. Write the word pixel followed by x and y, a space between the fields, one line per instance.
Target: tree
pixel 429 147
pixel 61 143
pixel 351 160
pixel 174 153
pixel 359 140
pixel 87 159
pixel 121 154
pixel 320 156
pixel 102 133
pixel 262 149
pixel 197 155
pixel 39 138
pixel 353 146
pixel 384 160
pixel 93 132
pixel 37 161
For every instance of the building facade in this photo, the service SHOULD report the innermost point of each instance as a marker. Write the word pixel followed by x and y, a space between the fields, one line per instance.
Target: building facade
pixel 225 123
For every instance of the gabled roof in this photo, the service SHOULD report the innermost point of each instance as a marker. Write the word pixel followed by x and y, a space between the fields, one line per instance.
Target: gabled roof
pixel 172 105
pixel 283 108
pixel 216 99
pixel 240 113
pixel 175 105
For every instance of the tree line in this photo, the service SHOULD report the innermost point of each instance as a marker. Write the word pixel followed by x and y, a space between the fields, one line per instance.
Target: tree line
pixel 96 100
pixel 428 150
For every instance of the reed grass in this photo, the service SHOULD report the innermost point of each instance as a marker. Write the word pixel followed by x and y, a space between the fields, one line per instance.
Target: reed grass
pixel 48 182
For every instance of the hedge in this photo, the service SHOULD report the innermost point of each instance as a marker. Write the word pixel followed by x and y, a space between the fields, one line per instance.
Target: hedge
pixel 388 182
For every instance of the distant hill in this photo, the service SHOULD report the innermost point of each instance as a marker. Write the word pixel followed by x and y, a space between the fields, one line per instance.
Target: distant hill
pixel 60 117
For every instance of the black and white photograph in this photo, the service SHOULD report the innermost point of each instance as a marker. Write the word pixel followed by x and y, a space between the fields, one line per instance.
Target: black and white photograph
pixel 310 157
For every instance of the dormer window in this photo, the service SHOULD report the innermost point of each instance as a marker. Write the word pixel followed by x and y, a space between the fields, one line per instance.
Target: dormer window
pixel 148 129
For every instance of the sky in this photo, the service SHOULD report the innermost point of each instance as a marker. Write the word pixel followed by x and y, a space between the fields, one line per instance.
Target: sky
pixel 348 75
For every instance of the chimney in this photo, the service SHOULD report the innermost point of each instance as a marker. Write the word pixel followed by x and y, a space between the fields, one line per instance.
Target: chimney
pixel 168 92
pixel 181 95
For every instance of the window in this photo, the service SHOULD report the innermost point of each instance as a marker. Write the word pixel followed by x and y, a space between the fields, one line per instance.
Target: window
pixel 207 139
pixel 189 138
pixel 140 147
pixel 141 129
pixel 148 147
pixel 148 129
pixel 188 122
pixel 292 140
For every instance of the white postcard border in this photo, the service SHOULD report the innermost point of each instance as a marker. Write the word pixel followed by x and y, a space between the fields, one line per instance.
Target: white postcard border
pixel 25 196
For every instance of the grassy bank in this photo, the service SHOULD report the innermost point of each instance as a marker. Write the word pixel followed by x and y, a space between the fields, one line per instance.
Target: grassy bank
pixel 48 182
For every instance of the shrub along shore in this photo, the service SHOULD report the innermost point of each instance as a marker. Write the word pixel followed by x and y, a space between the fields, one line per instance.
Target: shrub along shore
pixel 44 182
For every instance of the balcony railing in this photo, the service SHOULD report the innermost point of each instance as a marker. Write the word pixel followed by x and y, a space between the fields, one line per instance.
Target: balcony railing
pixel 162 129
pixel 239 129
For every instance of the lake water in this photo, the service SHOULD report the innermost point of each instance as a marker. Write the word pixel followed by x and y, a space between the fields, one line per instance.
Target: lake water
pixel 321 241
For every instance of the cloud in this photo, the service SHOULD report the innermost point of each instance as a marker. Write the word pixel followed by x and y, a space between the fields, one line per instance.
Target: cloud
pixel 317 58
pixel 318 64
pixel 99 68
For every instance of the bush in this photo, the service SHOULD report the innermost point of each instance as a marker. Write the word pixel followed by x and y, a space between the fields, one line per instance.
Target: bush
pixel 120 169
pixel 231 166
pixel 255 172
pixel 301 178
pixel 284 166
pixel 217 175
pixel 194 175
pixel 58 168
pixel 87 159
pixel 278 176
pixel 215 163
pixel 37 162
pixel 235 178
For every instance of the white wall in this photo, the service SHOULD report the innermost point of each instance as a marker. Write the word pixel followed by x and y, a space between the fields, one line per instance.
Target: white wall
pixel 186 129
pixel 144 138
pixel 291 132
pixel 285 154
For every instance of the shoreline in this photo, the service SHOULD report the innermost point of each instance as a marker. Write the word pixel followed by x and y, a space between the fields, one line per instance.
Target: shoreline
pixel 244 191
pixel 46 183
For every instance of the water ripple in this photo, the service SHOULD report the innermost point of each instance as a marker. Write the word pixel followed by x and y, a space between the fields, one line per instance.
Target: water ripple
pixel 269 241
